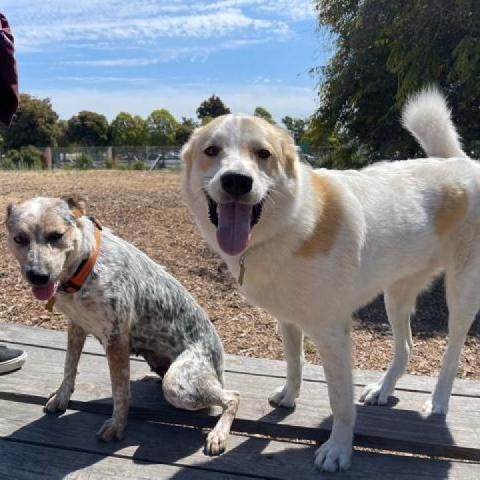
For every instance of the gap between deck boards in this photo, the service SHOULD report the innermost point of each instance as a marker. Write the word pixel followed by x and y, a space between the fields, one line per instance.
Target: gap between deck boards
pixel 371 376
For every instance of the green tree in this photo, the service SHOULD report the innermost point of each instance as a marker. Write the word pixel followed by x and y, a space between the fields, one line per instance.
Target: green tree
pixel 387 49
pixel 296 127
pixel 88 128
pixel 127 129
pixel 206 120
pixel 161 125
pixel 184 130
pixel 61 133
pixel 264 113
pixel 34 124
pixel 212 107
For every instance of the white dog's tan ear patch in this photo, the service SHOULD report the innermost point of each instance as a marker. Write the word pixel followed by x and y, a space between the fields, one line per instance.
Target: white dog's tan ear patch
pixel 451 210
pixel 77 204
pixel 289 151
pixel 291 157
pixel 328 221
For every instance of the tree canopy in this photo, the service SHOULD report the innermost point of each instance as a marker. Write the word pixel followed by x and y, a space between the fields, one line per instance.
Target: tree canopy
pixel 129 130
pixel 387 49
pixel 184 130
pixel 33 124
pixel 296 127
pixel 262 112
pixel 161 126
pixel 88 128
pixel 212 107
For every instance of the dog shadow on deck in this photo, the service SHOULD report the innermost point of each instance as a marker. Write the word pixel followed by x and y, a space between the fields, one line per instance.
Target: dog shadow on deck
pixel 157 433
pixel 285 461
pixel 430 318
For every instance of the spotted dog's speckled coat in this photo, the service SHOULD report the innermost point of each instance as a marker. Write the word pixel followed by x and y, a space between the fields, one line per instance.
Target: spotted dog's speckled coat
pixel 130 304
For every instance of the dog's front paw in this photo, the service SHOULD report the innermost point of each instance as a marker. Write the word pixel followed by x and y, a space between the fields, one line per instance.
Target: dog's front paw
pixel 434 407
pixel 375 394
pixel 283 397
pixel 216 443
pixel 58 401
pixel 333 456
pixel 112 429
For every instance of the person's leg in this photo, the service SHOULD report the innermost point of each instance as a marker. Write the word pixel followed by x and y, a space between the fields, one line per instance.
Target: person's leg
pixel 11 359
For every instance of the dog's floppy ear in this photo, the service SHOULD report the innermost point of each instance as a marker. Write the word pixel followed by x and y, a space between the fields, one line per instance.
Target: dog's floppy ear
pixel 290 152
pixel 187 154
pixel 77 204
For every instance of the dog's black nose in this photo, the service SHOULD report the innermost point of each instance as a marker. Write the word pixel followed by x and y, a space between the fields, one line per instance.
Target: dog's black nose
pixel 236 184
pixel 36 278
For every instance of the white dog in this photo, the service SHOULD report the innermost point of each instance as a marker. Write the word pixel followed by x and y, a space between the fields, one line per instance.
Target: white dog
pixel 312 246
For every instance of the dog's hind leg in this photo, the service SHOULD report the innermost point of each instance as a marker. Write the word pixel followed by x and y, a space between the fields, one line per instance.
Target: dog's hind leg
pixel 191 383
pixel 58 401
pixel 292 339
pixel 463 299
pixel 399 304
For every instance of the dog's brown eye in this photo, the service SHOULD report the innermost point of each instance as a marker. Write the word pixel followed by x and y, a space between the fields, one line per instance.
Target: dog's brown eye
pixel 54 237
pixel 21 239
pixel 263 153
pixel 212 151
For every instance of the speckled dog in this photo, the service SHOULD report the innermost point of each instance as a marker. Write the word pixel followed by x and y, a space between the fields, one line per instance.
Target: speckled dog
pixel 129 303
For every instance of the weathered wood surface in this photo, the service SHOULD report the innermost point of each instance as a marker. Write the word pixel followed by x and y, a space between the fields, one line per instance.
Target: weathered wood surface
pixel 401 427
pixel 177 451
pixel 65 446
pixel 27 461
pixel 235 363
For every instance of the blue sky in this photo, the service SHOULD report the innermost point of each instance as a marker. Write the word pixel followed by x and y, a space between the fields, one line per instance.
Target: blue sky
pixel 136 56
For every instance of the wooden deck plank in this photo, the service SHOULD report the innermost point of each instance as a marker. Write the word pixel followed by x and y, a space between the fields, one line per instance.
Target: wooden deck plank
pixel 26 461
pixel 33 444
pixel 238 364
pixel 388 428
pixel 154 442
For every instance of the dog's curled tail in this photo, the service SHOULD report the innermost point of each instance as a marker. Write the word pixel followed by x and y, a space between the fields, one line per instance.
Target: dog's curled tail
pixel 427 117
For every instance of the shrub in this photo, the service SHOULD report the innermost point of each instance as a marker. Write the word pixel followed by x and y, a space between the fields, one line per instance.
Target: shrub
pixel 83 162
pixel 6 163
pixel 27 157
pixel 109 164
pixel 138 165
pixel 31 157
pixel 12 157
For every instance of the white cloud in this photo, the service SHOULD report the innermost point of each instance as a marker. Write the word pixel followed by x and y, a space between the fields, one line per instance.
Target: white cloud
pixel 194 26
pixel 51 22
pixel 166 55
pixel 182 100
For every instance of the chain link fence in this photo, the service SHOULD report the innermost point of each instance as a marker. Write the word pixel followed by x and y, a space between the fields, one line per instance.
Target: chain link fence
pixel 131 158
pixel 116 157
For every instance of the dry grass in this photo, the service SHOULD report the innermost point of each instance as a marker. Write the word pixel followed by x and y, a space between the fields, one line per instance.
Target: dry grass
pixel 147 210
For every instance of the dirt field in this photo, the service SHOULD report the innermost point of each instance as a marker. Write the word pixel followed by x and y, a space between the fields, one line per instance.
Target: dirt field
pixel 147 210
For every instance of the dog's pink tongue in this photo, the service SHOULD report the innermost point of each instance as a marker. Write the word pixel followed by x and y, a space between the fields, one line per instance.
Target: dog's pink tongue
pixel 233 232
pixel 45 292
